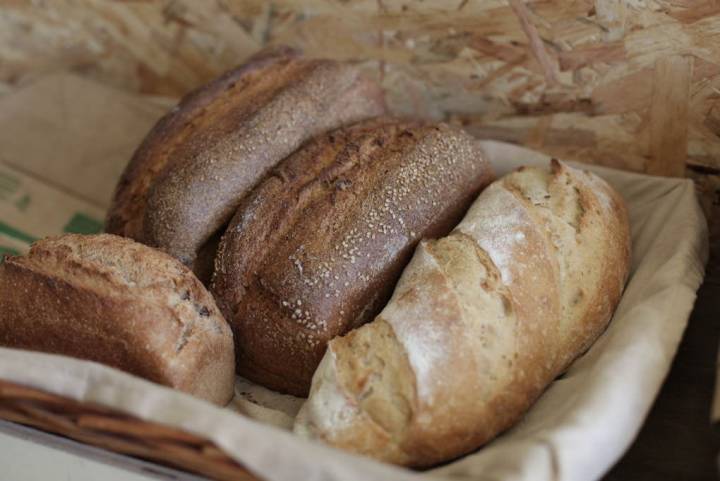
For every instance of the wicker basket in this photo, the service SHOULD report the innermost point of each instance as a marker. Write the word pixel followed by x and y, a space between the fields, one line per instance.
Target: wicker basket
pixel 108 429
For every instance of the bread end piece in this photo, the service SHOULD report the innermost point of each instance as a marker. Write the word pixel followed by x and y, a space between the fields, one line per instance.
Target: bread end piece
pixel 362 395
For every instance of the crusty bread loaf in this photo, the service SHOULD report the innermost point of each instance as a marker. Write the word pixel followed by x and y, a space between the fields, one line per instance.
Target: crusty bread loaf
pixel 115 301
pixel 480 322
pixel 197 109
pixel 188 176
pixel 317 247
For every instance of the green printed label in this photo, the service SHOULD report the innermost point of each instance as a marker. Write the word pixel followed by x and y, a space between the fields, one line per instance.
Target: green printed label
pixel 9 185
pixel 31 210
pixel 23 202
pixel 5 250
pixel 15 233
pixel 83 224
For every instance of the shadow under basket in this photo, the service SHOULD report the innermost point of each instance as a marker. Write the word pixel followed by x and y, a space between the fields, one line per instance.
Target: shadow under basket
pixel 108 429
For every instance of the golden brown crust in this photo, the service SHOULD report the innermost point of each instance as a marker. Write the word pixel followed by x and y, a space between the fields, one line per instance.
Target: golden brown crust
pixel 486 316
pixel 317 247
pixel 604 211
pixel 188 177
pixel 114 301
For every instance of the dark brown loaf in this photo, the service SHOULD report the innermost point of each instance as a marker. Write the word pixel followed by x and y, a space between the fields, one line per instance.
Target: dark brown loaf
pixel 194 112
pixel 317 247
pixel 115 301
pixel 188 176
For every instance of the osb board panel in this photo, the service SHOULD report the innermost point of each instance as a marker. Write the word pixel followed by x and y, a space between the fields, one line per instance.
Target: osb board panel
pixel 633 84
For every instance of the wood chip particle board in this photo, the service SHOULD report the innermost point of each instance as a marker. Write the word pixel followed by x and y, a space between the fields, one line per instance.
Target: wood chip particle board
pixel 629 84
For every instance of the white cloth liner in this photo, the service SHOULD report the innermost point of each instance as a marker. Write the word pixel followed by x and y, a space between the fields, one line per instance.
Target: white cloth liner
pixel 576 431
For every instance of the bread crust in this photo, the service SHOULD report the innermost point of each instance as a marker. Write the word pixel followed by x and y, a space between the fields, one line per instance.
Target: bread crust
pixel 112 300
pixel 317 247
pixel 484 319
pixel 194 167
pixel 127 210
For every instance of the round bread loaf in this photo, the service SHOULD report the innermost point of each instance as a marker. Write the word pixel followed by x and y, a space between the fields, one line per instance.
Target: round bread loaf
pixel 315 250
pixel 188 176
pixel 480 323
pixel 112 300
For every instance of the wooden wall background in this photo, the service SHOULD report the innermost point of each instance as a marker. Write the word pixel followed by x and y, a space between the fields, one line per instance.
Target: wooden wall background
pixel 633 84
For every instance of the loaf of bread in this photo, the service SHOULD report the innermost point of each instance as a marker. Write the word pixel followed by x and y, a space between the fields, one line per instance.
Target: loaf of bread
pixel 316 249
pixel 193 168
pixel 112 300
pixel 480 323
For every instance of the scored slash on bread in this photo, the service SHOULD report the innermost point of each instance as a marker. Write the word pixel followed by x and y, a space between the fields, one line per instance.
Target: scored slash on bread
pixel 115 301
pixel 480 322
pixel 188 176
pixel 317 247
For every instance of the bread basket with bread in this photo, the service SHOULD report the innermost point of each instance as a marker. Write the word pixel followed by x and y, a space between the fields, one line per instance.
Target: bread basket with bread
pixel 282 248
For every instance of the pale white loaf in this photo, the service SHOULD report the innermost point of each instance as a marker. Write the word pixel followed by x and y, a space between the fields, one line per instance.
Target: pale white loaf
pixel 480 322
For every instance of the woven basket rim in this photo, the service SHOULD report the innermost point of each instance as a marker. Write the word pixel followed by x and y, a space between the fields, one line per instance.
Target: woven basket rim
pixel 110 429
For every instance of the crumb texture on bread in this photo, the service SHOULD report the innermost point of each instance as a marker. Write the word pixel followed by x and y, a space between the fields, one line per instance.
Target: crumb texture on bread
pixel 115 301
pixel 484 320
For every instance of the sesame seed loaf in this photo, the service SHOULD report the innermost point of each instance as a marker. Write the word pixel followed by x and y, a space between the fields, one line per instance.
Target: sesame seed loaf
pixel 317 247
pixel 112 300
pixel 188 176
pixel 479 324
